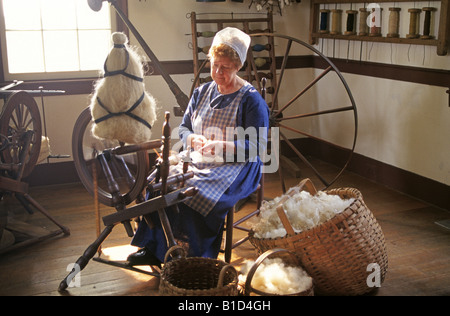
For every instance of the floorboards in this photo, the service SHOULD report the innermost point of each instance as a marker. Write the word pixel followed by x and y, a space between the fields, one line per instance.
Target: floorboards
pixel 418 248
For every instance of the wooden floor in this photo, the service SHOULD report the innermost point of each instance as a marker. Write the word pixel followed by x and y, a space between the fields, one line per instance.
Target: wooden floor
pixel 418 248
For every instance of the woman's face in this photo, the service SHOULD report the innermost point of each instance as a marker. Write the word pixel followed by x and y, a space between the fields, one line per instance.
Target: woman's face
pixel 223 70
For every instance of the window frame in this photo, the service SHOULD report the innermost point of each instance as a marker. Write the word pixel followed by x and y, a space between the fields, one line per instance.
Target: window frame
pixel 76 82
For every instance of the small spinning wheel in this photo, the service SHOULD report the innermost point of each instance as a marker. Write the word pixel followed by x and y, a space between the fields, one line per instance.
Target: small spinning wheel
pixel 21 114
pixel 322 125
pixel 129 170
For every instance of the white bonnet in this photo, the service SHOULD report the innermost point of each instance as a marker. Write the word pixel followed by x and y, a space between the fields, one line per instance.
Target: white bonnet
pixel 236 39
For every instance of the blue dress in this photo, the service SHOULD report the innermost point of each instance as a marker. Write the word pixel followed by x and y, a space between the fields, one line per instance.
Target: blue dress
pixel 202 227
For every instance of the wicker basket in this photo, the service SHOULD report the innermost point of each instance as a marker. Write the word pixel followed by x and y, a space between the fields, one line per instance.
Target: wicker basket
pixel 195 276
pixel 337 253
pixel 288 258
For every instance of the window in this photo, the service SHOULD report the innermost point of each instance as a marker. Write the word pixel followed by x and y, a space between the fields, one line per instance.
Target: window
pixel 53 36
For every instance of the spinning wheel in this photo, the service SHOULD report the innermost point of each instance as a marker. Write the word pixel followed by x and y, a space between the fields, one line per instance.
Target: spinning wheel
pixel 322 125
pixel 129 170
pixel 21 114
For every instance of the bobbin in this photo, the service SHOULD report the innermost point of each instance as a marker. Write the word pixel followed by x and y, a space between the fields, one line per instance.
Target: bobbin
pixel 374 29
pixel 394 19
pixel 413 23
pixel 351 22
pixel 427 23
pixel 324 21
pixel 363 27
pixel 336 22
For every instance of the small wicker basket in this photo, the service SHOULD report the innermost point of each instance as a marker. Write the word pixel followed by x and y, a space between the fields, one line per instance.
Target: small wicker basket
pixel 288 258
pixel 337 253
pixel 196 276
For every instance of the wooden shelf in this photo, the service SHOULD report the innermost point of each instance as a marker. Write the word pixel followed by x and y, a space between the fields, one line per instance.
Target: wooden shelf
pixel 442 41
pixel 380 39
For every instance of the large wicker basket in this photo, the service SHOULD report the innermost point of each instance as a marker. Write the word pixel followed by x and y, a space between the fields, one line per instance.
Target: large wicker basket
pixel 342 254
pixel 288 258
pixel 195 276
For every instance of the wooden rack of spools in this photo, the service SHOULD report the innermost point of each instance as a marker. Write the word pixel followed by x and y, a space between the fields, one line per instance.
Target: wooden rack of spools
pixel 261 61
pixel 329 21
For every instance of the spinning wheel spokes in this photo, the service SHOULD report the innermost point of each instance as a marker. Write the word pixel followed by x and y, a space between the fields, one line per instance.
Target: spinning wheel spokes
pixel 21 114
pixel 308 119
pixel 130 170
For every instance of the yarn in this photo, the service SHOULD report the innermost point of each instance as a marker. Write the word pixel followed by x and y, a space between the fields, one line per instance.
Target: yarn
pixel 351 22
pixel 336 22
pixel 363 27
pixel 427 23
pixel 394 22
pixel 413 23
pixel 324 19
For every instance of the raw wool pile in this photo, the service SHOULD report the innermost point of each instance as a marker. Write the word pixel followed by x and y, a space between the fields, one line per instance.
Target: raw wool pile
pixel 118 93
pixel 273 276
pixel 303 211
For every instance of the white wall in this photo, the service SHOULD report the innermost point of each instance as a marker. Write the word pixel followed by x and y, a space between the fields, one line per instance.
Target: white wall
pixel 401 124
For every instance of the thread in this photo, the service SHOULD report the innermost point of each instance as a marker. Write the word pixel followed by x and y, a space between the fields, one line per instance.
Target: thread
pixel 363 27
pixel 375 24
pixel 394 22
pixel 427 23
pixel 336 21
pixel 324 19
pixel 413 23
pixel 259 62
pixel 351 22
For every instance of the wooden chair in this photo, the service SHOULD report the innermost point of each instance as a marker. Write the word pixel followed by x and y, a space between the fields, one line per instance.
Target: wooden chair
pixel 229 223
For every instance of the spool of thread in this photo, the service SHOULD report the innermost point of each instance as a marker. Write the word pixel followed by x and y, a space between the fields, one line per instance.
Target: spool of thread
pixel 375 25
pixel 363 27
pixel 351 22
pixel 204 50
pixel 394 22
pixel 413 23
pixel 260 47
pixel 336 22
pixel 324 20
pixel 427 23
pixel 206 34
pixel 259 62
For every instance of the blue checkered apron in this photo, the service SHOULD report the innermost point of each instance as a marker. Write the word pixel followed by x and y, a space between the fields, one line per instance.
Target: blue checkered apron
pixel 212 179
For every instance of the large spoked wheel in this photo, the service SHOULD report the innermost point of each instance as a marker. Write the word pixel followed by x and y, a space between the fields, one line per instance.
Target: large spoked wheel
pixel 21 114
pixel 309 122
pixel 130 171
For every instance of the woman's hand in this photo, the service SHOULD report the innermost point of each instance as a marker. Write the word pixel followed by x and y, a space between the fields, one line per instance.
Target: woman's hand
pixel 217 149
pixel 196 141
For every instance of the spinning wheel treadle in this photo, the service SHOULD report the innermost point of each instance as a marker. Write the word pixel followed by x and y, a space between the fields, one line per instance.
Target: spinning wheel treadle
pixel 21 114
pixel 307 113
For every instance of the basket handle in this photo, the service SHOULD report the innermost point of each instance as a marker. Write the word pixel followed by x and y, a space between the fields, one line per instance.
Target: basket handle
pixel 306 185
pixel 222 275
pixel 172 249
pixel 248 282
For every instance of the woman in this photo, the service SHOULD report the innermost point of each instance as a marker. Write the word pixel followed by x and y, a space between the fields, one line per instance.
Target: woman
pixel 214 113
